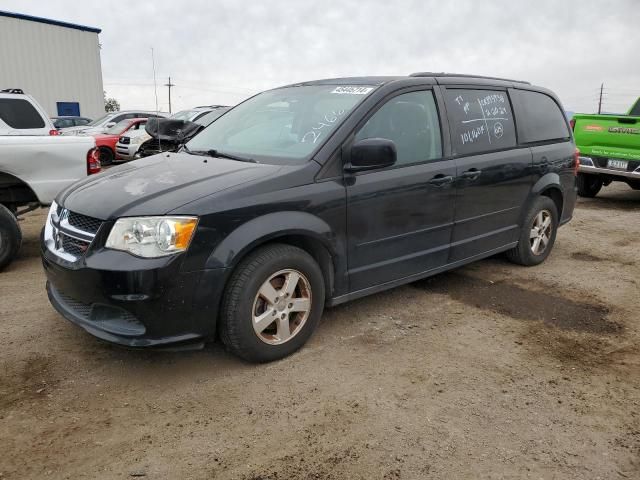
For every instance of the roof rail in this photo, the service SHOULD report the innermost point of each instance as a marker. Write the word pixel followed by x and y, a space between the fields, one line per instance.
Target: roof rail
pixel 463 75
pixel 13 90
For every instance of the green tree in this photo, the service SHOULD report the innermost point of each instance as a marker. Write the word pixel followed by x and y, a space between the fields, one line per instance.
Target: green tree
pixel 110 104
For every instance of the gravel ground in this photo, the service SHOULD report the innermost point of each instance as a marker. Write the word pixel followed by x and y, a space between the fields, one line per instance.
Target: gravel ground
pixel 491 371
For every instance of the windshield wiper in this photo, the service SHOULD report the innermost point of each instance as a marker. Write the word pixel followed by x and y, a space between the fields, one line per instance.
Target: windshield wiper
pixel 218 154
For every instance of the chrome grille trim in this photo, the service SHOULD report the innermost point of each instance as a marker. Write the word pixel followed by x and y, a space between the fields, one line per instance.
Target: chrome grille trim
pixel 65 240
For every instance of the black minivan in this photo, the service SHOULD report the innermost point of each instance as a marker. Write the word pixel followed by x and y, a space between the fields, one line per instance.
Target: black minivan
pixel 307 196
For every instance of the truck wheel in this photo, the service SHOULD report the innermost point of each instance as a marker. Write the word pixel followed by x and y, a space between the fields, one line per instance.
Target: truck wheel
pixel 588 185
pixel 10 236
pixel 538 233
pixel 106 156
pixel 272 303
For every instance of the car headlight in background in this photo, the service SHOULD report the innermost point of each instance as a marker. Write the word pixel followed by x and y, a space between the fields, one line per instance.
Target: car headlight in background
pixel 152 237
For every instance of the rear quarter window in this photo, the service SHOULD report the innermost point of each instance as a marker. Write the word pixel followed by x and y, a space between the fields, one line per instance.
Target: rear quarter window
pixel 20 114
pixel 539 117
pixel 480 120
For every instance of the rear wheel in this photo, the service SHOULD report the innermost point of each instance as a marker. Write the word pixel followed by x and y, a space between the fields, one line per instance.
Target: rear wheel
pixel 538 233
pixel 10 236
pixel 106 156
pixel 588 185
pixel 272 303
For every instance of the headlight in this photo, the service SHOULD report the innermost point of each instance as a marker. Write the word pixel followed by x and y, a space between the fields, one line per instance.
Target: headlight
pixel 152 237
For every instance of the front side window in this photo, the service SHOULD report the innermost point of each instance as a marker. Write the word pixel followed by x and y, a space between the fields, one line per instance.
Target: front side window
pixel 539 117
pixel 19 113
pixel 411 121
pixel 481 121
pixel 286 124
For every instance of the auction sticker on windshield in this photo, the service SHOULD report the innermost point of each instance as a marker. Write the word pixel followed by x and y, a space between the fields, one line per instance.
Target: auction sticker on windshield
pixel 353 90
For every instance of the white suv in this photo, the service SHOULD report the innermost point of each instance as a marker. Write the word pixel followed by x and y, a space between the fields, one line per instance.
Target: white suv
pixel 20 114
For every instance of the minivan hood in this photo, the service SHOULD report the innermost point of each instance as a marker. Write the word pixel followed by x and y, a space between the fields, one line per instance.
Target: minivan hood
pixel 157 185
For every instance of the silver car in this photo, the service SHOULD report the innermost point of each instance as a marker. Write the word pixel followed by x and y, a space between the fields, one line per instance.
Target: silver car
pixel 129 144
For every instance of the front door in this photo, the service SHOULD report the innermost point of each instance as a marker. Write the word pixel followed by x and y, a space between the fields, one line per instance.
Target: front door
pixel 494 176
pixel 399 219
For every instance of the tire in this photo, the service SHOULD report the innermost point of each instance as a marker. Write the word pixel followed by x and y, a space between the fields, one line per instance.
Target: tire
pixel 634 184
pixel 244 302
pixel 106 156
pixel 10 236
pixel 526 253
pixel 588 185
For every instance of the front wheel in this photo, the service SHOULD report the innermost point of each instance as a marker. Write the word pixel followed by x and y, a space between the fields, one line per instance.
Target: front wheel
pixel 272 303
pixel 538 233
pixel 10 236
pixel 588 185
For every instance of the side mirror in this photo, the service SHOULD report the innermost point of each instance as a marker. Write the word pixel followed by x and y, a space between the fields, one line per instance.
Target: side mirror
pixel 109 124
pixel 371 154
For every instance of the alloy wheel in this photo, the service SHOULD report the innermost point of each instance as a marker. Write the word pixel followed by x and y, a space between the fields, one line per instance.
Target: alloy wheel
pixel 541 231
pixel 281 307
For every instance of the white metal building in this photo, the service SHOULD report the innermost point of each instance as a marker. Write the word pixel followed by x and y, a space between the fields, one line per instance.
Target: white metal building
pixel 57 63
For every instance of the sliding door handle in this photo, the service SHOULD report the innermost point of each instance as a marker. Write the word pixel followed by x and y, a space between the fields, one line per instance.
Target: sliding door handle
pixel 471 174
pixel 440 180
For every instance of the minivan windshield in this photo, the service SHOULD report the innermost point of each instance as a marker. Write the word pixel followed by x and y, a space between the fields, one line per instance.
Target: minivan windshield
pixel 282 124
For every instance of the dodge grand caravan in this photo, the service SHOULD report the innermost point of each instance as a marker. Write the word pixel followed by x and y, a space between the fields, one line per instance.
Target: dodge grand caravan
pixel 307 196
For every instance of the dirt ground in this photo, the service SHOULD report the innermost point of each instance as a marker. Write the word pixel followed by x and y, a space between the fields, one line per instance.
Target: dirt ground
pixel 491 371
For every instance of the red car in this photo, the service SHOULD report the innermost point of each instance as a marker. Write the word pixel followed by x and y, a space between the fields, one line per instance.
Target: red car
pixel 106 142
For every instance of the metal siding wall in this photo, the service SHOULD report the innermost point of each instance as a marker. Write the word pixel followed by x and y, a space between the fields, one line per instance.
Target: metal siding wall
pixel 52 64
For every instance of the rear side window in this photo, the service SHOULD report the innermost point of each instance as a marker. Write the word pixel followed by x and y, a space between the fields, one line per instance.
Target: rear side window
pixel 539 117
pixel 19 113
pixel 481 120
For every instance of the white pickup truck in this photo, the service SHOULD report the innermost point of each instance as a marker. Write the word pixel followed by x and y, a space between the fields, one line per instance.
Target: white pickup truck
pixel 33 169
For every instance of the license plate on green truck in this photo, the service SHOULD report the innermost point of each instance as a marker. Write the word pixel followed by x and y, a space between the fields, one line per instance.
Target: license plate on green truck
pixel 617 164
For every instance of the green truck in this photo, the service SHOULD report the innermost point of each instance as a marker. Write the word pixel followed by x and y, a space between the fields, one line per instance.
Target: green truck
pixel 609 150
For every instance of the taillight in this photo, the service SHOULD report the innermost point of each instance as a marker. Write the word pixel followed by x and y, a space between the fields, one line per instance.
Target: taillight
pixel 572 122
pixel 93 161
pixel 576 161
pixel 54 132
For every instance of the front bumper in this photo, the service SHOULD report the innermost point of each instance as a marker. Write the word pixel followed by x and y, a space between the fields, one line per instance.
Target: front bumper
pixel 132 301
pixel 127 152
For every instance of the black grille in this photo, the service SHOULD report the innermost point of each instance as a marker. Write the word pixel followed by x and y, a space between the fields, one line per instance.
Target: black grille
pixel 106 317
pixel 82 309
pixel 75 247
pixel 84 223
pixel 125 140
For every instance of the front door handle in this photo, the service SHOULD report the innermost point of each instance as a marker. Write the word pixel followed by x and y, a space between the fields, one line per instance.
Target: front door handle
pixel 471 174
pixel 440 180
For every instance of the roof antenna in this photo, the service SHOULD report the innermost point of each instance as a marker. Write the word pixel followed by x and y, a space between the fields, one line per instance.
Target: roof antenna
pixel 155 90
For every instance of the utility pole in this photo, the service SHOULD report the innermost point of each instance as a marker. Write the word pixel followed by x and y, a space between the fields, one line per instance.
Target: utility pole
pixel 599 101
pixel 169 85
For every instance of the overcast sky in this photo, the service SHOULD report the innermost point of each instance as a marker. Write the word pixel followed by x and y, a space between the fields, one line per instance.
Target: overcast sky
pixel 221 51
